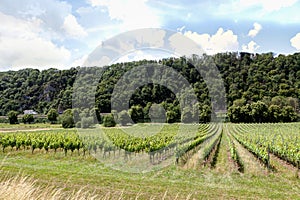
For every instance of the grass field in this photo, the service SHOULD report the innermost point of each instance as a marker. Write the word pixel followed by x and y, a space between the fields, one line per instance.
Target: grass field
pixel 27 127
pixel 220 179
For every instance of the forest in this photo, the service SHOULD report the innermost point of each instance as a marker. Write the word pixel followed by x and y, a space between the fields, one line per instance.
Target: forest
pixel 258 88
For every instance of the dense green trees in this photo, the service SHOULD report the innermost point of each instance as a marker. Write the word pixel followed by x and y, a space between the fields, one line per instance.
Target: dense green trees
pixel 272 111
pixel 31 89
pixel 259 88
pixel 52 116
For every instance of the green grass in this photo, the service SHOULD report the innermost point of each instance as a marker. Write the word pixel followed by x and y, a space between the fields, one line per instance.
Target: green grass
pixel 76 172
pixel 146 130
pixel 5 126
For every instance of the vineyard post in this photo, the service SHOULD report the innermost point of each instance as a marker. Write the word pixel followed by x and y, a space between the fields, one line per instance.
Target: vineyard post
pixel 268 149
pixel 298 169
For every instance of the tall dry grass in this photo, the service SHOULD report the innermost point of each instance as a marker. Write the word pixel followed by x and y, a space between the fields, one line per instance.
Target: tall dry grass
pixel 25 188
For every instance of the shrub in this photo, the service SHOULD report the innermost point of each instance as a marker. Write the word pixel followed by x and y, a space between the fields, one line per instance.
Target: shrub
pixel 108 121
pixel 67 119
pixel 4 120
pixel 187 117
pixel 171 116
pixel 87 122
pixel 13 117
pixel 124 118
pixel 28 119
pixel 157 113
pixel 52 115
pixel 136 113
pixel 41 120
pixel 78 125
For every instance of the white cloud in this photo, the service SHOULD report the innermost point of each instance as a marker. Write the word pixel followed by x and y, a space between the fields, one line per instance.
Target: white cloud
pixel 152 37
pixel 133 14
pixel 97 61
pixel 51 12
pixel 256 29
pixel 142 54
pixel 21 45
pixel 295 41
pixel 79 62
pixel 135 56
pixel 284 11
pixel 266 5
pixel 184 46
pixel 251 47
pixel 221 41
pixel 72 27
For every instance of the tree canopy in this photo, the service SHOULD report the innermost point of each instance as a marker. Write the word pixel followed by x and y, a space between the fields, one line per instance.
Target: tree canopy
pixel 259 88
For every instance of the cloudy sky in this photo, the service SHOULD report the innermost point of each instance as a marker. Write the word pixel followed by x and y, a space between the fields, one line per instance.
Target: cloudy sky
pixel 53 33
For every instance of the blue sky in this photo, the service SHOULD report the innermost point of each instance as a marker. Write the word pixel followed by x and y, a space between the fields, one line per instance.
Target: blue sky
pixel 53 33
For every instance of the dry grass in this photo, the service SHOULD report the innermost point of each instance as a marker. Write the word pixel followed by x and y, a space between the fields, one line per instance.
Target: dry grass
pixel 24 188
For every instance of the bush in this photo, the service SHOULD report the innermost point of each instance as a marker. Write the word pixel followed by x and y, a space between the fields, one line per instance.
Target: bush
pixel 173 113
pixel 52 116
pixel 87 122
pixel 28 119
pixel 78 125
pixel 108 121
pixel 205 114
pixel 68 122
pixel 13 117
pixel 171 116
pixel 288 114
pixel 4 120
pixel 41 120
pixel 67 119
pixel 136 113
pixel 124 118
pixel 157 113
pixel 187 117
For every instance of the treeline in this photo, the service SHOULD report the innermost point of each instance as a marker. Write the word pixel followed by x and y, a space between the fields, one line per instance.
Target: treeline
pixel 259 88
pixel 31 89
pixel 277 109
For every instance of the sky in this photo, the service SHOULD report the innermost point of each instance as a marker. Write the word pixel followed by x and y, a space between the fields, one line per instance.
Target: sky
pixel 52 33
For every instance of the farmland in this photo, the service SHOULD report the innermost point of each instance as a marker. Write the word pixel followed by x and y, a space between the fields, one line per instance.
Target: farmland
pixel 167 161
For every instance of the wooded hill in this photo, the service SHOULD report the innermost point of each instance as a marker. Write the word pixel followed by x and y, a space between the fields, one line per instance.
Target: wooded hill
pixel 259 88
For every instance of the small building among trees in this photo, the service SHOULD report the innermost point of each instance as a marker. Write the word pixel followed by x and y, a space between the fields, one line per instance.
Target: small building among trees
pixel 30 112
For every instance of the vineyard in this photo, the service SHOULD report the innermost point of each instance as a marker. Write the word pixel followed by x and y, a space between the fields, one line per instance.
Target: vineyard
pixel 267 144
pixel 282 140
pixel 181 144
pixel 260 161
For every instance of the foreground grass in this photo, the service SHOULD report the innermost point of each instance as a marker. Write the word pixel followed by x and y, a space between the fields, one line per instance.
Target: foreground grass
pixel 23 188
pixel 72 173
